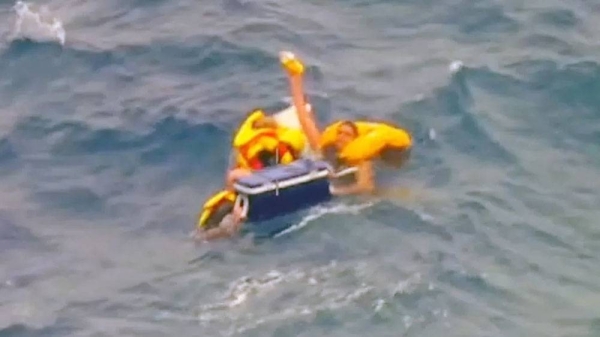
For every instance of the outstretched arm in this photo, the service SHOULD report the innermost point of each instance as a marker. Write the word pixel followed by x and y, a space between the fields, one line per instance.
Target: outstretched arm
pixel 364 182
pixel 295 70
pixel 212 234
pixel 230 226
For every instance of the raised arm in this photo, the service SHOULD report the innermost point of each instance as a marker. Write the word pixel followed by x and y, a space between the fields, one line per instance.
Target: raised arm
pixel 295 70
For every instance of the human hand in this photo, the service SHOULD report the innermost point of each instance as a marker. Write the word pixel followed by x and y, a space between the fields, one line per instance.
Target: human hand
pixel 331 174
pixel 291 63
pixel 231 227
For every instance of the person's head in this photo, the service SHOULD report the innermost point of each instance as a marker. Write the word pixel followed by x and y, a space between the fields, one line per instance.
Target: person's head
pixel 265 122
pixel 347 131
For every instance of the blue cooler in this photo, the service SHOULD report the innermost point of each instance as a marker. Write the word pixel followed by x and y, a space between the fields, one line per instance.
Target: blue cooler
pixel 284 189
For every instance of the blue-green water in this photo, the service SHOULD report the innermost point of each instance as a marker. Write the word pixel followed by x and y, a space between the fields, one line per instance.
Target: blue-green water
pixel 110 143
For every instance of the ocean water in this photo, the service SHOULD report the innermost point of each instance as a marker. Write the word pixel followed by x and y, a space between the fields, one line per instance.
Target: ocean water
pixel 115 120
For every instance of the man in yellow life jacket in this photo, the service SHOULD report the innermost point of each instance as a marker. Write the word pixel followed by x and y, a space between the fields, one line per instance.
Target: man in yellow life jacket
pixel 260 142
pixel 353 143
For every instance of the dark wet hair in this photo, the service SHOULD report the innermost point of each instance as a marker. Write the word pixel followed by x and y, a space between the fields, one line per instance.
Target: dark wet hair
pixel 267 158
pixel 351 125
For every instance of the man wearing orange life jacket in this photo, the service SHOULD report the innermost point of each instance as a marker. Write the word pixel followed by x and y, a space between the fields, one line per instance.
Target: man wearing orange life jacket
pixel 260 142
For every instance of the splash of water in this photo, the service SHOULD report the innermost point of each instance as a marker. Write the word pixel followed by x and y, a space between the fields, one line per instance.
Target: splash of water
pixel 455 66
pixel 36 25
pixel 320 211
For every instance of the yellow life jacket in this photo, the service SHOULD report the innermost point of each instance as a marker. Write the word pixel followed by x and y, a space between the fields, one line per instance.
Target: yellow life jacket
pixel 249 142
pixel 215 209
pixel 373 139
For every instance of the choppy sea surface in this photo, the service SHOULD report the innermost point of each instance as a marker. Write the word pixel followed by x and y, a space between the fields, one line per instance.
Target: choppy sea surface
pixel 115 120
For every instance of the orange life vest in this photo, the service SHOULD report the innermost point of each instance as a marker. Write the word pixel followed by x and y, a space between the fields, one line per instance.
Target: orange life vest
pixel 250 154
pixel 251 144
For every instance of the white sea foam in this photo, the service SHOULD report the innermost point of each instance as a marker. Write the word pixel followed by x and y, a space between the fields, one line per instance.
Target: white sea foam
pixel 36 24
